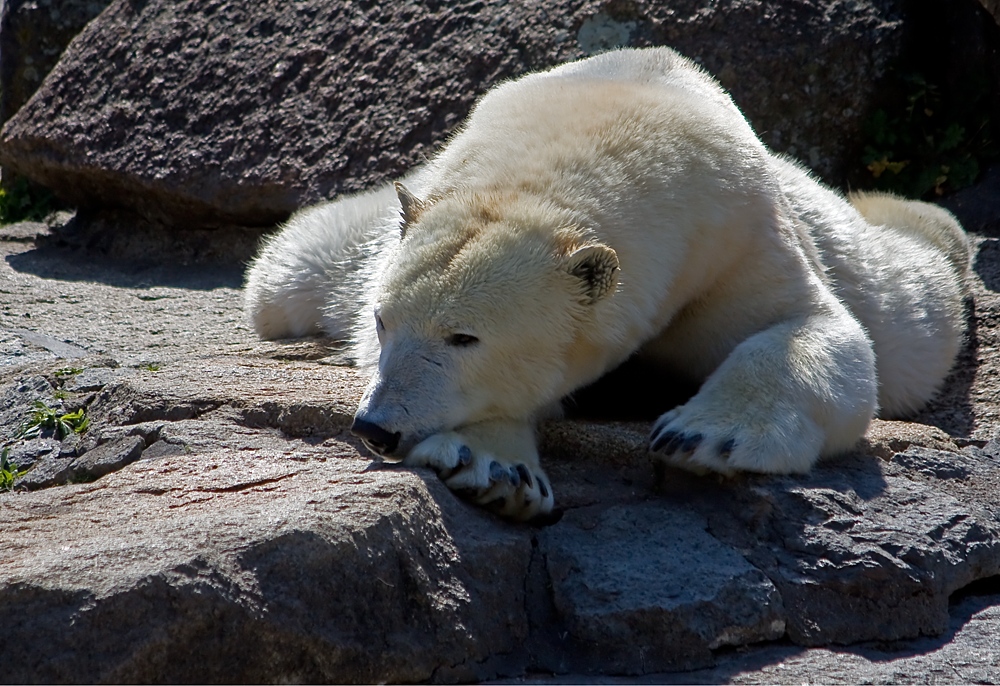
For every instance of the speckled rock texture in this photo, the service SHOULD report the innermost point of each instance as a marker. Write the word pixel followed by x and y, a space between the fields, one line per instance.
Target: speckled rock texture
pixel 33 35
pixel 217 521
pixel 198 113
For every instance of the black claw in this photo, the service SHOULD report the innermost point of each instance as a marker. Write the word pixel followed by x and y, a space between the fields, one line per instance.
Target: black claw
pixel 515 477
pixel 664 440
pixel 464 455
pixel 497 472
pixel 690 443
pixel 525 475
pixel 542 488
pixel 727 448
pixel 673 444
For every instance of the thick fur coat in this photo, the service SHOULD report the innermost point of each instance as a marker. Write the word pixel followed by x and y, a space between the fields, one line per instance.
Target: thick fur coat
pixel 617 206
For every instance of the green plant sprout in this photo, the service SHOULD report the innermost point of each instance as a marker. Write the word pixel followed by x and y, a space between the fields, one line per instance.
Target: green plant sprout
pixel 45 417
pixel 8 473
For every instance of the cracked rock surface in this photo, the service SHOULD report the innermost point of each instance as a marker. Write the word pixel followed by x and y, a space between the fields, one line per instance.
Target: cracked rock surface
pixel 217 522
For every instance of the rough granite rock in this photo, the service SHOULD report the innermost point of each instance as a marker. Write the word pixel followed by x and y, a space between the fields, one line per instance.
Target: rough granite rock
pixel 198 113
pixel 643 588
pixel 33 35
pixel 860 550
pixel 106 458
pixel 256 567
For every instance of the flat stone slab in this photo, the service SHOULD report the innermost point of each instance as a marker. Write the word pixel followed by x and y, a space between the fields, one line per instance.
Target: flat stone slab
pixel 256 566
pixel 644 588
pixel 858 549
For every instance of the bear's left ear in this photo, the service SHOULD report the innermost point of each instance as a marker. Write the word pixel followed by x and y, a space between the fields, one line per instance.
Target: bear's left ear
pixel 595 266
pixel 410 205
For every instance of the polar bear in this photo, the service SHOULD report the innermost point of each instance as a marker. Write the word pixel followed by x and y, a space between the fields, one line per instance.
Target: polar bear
pixel 613 207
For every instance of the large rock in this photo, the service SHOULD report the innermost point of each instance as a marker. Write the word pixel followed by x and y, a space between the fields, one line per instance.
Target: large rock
pixel 33 35
pixel 644 588
pixel 198 113
pixel 254 540
pixel 860 550
pixel 255 567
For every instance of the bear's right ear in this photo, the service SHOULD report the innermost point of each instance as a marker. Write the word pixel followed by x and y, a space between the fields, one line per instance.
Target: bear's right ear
pixel 411 206
pixel 595 266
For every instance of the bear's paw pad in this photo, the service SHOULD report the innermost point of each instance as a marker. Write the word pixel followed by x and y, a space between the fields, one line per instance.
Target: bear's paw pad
pixel 511 489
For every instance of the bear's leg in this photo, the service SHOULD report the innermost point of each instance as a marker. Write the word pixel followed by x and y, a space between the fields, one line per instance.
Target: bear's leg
pixel 494 464
pixel 783 398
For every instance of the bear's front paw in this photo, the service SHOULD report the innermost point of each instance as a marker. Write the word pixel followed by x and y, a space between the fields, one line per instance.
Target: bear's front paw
pixel 700 440
pixel 517 490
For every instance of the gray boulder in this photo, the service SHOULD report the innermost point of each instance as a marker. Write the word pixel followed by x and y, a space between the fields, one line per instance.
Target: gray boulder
pixel 197 113
pixel 644 588
pixel 33 35
pixel 212 569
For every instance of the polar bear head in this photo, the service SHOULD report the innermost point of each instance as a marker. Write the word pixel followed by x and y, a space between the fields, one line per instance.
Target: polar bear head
pixel 482 313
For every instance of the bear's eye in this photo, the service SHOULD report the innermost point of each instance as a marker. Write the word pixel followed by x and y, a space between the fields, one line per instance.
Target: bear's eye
pixel 462 340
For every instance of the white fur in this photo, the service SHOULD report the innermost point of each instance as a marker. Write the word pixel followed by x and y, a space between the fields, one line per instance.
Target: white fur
pixel 615 206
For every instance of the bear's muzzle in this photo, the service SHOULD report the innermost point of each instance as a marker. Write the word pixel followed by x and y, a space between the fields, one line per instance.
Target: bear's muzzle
pixel 375 437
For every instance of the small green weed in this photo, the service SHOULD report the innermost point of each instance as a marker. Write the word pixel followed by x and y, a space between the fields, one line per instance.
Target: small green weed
pixel 931 145
pixel 24 202
pixel 150 367
pixel 8 473
pixel 66 372
pixel 48 418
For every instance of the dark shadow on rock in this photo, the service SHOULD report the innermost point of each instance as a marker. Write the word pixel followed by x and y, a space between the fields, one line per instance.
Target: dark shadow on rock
pixel 987 264
pixel 66 264
pixel 127 235
pixel 978 207
pixel 734 662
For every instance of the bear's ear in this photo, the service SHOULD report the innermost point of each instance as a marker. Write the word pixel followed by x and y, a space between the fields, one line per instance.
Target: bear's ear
pixel 411 205
pixel 595 266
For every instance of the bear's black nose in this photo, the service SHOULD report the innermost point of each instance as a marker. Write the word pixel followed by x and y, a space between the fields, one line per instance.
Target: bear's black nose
pixel 374 436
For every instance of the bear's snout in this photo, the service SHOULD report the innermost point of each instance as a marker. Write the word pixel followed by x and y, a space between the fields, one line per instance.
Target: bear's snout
pixel 375 437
